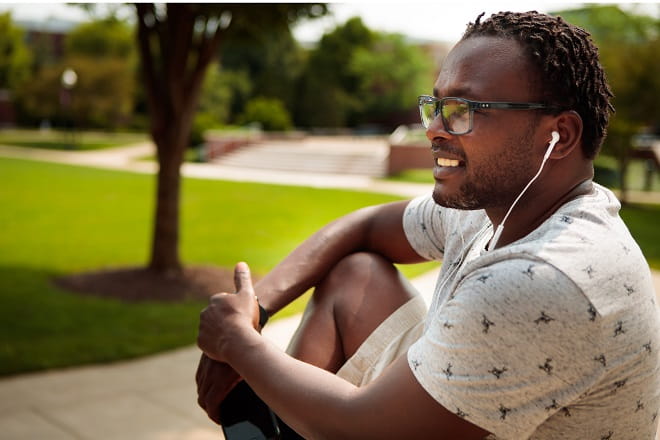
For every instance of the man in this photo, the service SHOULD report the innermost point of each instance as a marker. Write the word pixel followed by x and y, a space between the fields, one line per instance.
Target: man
pixel 543 324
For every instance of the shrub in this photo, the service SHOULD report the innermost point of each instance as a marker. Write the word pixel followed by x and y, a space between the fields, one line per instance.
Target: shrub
pixel 270 113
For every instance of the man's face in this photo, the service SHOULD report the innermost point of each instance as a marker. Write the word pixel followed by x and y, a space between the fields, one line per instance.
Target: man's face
pixel 495 159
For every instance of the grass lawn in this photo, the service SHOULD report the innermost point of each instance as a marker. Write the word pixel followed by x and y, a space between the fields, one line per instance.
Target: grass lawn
pixel 59 219
pixel 66 140
pixel 642 220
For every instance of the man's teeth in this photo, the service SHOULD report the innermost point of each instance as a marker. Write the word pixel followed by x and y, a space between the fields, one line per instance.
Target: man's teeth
pixel 442 162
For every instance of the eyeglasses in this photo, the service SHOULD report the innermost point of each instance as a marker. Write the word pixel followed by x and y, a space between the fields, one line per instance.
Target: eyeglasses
pixel 457 113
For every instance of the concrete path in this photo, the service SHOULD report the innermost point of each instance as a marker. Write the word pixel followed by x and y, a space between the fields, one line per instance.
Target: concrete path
pixel 153 397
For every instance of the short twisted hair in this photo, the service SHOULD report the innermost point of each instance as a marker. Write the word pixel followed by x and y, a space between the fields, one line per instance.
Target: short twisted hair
pixel 571 75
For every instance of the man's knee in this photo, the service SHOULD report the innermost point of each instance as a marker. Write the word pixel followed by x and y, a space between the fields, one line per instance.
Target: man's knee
pixel 363 289
pixel 358 268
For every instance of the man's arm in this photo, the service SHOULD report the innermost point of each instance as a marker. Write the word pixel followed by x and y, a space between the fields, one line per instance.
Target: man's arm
pixel 318 404
pixel 314 402
pixel 377 229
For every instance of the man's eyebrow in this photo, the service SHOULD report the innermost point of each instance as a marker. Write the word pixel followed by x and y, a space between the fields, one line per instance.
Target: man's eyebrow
pixel 459 92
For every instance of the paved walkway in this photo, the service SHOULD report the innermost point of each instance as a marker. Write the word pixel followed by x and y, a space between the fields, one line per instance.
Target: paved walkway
pixel 152 397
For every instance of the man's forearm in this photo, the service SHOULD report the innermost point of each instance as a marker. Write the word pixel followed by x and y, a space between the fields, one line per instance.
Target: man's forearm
pixel 313 401
pixel 308 264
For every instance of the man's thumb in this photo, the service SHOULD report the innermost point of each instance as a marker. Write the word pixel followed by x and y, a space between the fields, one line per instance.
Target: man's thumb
pixel 242 278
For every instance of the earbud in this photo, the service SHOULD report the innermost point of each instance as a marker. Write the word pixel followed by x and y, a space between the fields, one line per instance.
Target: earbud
pixel 555 137
pixel 551 145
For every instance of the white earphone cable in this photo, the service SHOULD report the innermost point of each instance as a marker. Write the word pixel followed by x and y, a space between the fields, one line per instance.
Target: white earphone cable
pixel 500 227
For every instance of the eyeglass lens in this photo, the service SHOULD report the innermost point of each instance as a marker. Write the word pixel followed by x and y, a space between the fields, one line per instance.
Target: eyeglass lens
pixel 455 114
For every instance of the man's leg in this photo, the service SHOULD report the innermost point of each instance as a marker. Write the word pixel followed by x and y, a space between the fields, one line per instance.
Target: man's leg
pixel 359 293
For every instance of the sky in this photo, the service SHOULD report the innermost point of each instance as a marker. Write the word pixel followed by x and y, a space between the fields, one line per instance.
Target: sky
pixel 439 20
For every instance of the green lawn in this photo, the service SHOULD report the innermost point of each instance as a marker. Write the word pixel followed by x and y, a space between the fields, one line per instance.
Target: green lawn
pixel 68 140
pixel 58 219
pixel 642 220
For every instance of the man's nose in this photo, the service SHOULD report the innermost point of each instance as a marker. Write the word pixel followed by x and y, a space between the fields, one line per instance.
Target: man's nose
pixel 436 130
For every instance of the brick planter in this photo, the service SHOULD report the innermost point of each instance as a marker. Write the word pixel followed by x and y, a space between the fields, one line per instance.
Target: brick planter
pixel 408 156
pixel 216 145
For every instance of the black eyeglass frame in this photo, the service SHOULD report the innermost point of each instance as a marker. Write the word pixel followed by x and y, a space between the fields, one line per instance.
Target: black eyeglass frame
pixel 472 106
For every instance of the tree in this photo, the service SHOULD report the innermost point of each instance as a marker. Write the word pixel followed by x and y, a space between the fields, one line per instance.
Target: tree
pixel 629 45
pixel 329 87
pixel 177 42
pixel 15 58
pixel 102 38
pixel 357 76
pixel 391 73
pixel 101 98
pixel 103 55
pixel 271 58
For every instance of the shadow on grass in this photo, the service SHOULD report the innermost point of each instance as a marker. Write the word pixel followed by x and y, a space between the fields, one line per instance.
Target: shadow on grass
pixel 137 284
pixel 43 326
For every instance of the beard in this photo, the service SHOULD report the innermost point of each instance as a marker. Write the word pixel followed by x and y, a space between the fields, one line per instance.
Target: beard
pixel 495 181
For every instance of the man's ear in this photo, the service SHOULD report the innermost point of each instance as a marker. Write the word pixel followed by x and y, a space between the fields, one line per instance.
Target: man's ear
pixel 569 126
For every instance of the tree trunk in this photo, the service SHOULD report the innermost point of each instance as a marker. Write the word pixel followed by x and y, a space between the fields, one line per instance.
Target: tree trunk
pixel 174 60
pixel 165 241
pixel 176 45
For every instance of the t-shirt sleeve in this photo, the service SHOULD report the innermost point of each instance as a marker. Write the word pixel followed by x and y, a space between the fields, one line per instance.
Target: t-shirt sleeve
pixel 513 346
pixel 424 227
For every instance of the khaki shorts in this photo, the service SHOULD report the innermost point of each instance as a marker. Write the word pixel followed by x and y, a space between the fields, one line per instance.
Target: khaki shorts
pixel 391 339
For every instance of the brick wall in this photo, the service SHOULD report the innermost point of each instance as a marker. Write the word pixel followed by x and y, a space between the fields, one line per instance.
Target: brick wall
pixel 408 156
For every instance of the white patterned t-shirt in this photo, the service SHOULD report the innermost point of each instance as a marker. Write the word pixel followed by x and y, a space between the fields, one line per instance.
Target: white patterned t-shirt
pixel 554 336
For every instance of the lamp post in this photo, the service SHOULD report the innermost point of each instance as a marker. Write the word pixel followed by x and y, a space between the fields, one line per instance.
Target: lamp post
pixel 68 81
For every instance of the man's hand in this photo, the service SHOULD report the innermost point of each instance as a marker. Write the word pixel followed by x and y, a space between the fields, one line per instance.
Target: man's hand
pixel 227 314
pixel 214 381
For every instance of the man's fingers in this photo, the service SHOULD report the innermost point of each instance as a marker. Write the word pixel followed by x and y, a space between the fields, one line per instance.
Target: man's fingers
pixel 242 278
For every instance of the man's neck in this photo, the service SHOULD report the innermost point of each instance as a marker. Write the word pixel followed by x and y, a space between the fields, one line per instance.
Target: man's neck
pixel 523 221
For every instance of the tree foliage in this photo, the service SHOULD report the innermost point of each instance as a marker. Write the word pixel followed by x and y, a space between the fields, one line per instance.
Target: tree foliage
pixel 103 38
pixel 357 76
pixel 269 56
pixel 220 90
pixel 629 46
pixel 269 113
pixel 15 58
pixel 329 88
pixel 391 74
pixel 102 54
pixel 101 98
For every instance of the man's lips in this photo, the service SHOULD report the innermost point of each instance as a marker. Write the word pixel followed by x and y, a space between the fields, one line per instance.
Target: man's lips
pixel 447 155
pixel 445 162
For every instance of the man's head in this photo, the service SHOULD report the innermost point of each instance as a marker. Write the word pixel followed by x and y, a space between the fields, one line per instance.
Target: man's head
pixel 570 76
pixel 502 91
